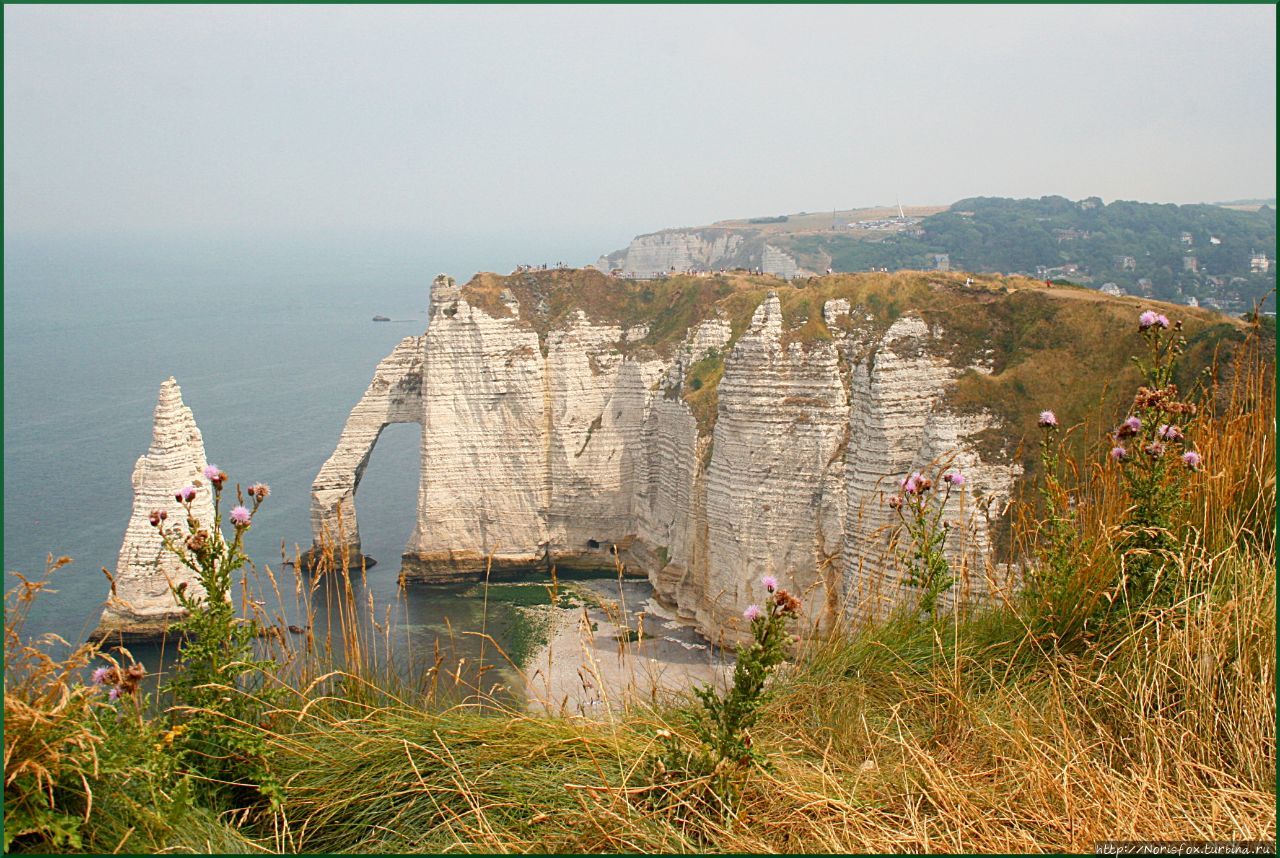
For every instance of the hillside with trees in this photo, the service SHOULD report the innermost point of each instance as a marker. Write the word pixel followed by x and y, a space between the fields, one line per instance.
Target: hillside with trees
pixel 1170 252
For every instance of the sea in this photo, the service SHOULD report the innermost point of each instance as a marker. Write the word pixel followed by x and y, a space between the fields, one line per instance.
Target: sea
pixel 272 342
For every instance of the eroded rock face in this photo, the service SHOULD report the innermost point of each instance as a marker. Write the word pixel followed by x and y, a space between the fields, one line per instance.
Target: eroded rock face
pixel 783 414
pixel 899 423
pixel 142 603
pixel 778 262
pixel 562 445
pixel 681 250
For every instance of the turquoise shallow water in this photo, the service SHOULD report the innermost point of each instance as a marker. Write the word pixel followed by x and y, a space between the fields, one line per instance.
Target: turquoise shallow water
pixel 272 344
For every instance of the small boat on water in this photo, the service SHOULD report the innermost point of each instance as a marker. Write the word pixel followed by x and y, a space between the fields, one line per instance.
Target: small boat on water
pixel 381 319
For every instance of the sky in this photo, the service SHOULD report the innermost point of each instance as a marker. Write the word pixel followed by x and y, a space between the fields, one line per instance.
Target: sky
pixel 578 127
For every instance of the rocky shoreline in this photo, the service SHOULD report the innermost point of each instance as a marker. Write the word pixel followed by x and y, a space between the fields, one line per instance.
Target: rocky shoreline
pixel 591 667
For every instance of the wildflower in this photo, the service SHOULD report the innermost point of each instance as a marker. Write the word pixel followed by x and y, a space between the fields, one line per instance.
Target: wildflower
pixel 1150 319
pixel 787 603
pixel 240 516
pixel 1155 449
pixel 186 494
pixel 154 518
pixel 1048 419
pixel 1191 459
pixel 752 613
pixel 1129 428
pixel 1119 454
pixel 956 480
pixel 211 473
pixel 1168 432
pixel 895 502
pixel 259 491
pixel 100 675
pixel 114 694
pixel 198 540
pixel 770 583
pixel 911 484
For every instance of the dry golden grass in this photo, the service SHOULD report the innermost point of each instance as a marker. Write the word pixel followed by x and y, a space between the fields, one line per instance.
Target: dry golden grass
pixel 48 733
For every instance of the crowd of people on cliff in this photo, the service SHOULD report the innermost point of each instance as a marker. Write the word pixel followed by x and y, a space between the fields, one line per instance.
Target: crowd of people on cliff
pixel 559 266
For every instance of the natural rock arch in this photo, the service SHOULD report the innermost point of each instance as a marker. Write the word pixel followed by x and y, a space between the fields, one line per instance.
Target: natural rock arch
pixel 394 396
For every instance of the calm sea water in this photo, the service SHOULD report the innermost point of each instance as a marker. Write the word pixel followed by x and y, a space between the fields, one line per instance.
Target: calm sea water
pixel 272 344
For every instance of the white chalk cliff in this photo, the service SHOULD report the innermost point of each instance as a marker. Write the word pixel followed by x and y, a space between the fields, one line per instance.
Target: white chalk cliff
pixel 555 443
pixel 141 602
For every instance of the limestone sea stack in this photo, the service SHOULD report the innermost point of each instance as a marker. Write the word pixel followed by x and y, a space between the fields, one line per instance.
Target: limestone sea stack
pixel 142 605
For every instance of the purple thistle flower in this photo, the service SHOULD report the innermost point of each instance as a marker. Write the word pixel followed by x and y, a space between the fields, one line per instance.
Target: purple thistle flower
pixel 114 694
pixel 1048 419
pixel 1191 459
pixel 1129 427
pixel 1168 432
pixel 1147 319
pixel 770 583
pixel 956 479
pixel 211 472
pixel 912 484
pixel 1155 449
pixel 186 494
pixel 1119 454
pixel 240 516
pixel 752 613
pixel 1162 320
pixel 895 502
pixel 100 675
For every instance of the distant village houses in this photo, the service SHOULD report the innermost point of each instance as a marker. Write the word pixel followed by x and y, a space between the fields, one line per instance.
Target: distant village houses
pixel 1259 263
pixel 1111 289
pixel 1126 263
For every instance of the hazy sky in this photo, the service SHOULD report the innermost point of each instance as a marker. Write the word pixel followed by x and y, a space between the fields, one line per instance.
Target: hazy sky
pixel 598 123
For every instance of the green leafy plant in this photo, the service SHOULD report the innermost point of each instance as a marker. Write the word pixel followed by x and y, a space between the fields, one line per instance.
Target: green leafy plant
pixel 723 721
pixel 920 512
pixel 1058 603
pixel 217 683
pixel 1154 457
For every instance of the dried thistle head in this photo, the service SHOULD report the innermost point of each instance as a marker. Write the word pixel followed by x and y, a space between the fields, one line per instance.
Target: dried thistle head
pixel 788 604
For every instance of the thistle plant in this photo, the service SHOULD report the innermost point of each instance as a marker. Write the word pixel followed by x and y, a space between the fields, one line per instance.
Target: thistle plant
pixel 920 512
pixel 722 723
pixel 216 674
pixel 1051 583
pixel 1154 457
